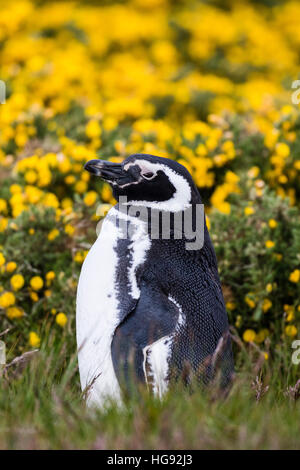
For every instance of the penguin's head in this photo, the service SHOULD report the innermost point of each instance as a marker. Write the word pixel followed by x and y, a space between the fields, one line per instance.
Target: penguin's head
pixel 150 181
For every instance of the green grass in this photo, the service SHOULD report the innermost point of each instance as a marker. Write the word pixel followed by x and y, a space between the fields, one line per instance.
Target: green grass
pixel 41 407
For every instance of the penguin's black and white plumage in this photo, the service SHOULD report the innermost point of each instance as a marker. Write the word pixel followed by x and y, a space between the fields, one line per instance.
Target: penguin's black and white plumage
pixel 149 308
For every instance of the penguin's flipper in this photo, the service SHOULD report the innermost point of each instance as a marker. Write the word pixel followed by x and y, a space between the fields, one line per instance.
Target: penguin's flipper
pixel 152 321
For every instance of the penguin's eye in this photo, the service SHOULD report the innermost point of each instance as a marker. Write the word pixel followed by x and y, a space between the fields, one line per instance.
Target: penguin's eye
pixel 148 176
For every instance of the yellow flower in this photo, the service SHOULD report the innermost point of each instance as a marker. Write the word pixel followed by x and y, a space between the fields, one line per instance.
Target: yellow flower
pixel 93 129
pixel 249 210
pixel 17 210
pixel 253 172
pixel 228 147
pixel 84 176
pixel 69 229
pixel 249 336
pixel 58 214
pixel 7 300
pixel 224 207
pixel 231 178
pixel 269 244
pixel 50 276
pixel 53 234
pixel 295 276
pixel 291 330
pixel 230 305
pixel 17 199
pixel 11 267
pixel 14 312
pixel 267 304
pixel 36 282
pixel 31 231
pixel 260 336
pixel 3 205
pixel 77 168
pixel 282 149
pixel 15 189
pixel 61 319
pixel 3 224
pixel 109 123
pixel 66 203
pixel 33 194
pixel 70 179
pixel 201 150
pixel 34 340
pixel 208 224
pixel 249 301
pixel 67 211
pixel 272 223
pixel 30 176
pixel 290 316
pixel 34 296
pixel 2 259
pixel 80 187
pixel 50 200
pixel 297 164
pixel 17 282
pixel 269 287
pixel 282 179
pixel 78 258
pixel 288 308
pixel 106 193
pixel 90 198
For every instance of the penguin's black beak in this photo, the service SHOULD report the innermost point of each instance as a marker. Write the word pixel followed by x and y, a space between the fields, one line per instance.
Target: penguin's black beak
pixel 107 170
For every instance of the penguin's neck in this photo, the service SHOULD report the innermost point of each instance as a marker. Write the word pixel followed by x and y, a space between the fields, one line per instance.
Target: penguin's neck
pixel 161 223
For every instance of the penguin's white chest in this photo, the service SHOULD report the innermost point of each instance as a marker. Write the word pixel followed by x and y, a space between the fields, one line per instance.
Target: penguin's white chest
pixel 97 317
pixel 98 311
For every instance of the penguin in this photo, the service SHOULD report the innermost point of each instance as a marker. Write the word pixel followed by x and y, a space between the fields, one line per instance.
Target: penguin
pixel 149 311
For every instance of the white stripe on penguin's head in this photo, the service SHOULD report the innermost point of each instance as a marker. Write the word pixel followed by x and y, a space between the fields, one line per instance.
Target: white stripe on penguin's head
pixel 181 198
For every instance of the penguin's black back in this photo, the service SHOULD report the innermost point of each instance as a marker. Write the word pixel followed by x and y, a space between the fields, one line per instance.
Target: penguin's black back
pixel 191 277
pixel 201 345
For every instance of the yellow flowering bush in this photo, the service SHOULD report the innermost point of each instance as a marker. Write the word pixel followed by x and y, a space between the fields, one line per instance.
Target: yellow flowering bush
pixel 261 289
